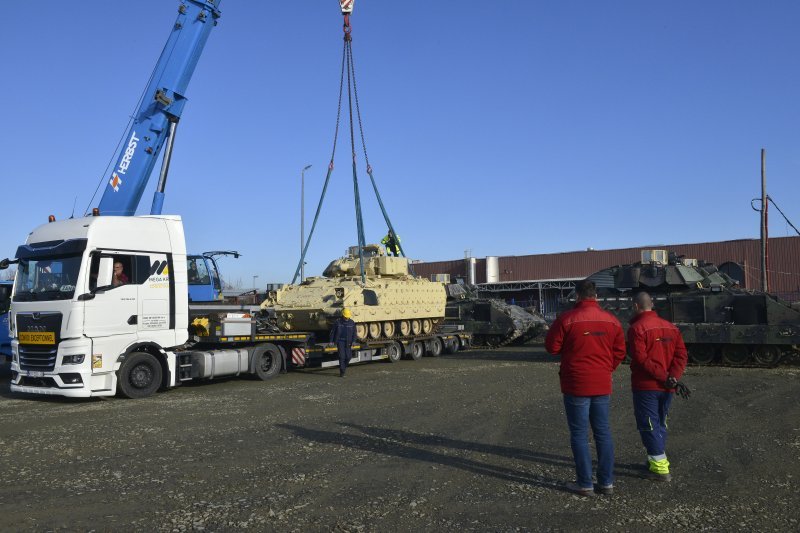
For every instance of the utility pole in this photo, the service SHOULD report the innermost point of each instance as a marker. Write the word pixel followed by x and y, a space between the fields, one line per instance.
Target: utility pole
pixel 764 228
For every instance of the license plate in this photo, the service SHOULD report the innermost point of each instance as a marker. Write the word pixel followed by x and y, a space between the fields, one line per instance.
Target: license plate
pixel 32 337
pixel 36 374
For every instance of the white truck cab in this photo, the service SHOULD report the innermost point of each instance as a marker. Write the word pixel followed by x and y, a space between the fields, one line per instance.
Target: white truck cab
pixel 99 303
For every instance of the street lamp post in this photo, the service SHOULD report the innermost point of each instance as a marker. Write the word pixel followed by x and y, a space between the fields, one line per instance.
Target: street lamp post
pixel 302 219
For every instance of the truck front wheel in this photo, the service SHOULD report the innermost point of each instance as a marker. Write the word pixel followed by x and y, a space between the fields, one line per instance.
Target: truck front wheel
pixel 267 361
pixel 139 376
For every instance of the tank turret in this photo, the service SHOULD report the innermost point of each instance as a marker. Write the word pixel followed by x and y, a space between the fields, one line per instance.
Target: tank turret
pixel 720 321
pixel 392 303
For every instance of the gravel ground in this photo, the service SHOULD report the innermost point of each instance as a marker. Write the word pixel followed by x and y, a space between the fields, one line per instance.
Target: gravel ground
pixel 470 442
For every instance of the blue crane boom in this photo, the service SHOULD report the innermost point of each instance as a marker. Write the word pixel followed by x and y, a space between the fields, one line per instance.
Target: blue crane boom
pixel 159 112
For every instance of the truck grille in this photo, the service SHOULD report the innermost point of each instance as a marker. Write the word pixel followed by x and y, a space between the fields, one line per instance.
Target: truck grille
pixel 38 356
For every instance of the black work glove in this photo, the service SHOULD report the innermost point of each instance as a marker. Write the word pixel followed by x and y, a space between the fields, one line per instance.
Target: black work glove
pixel 670 383
pixel 682 390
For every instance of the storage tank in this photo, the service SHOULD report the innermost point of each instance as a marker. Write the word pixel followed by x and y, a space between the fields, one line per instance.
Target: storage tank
pixel 471 270
pixel 492 269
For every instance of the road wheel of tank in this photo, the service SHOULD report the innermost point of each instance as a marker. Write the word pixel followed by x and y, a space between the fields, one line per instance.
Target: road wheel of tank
pixel 374 330
pixel 405 328
pixel 494 341
pixel 702 354
pixel 361 332
pixel 388 329
pixel 415 351
pixel 394 352
pixel 435 347
pixel 139 376
pixel 416 327
pixel 735 354
pixel 767 355
pixel 427 326
pixel 266 361
pixel 452 346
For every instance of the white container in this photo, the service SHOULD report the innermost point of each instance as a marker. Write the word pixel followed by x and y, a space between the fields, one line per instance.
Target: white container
pixel 492 269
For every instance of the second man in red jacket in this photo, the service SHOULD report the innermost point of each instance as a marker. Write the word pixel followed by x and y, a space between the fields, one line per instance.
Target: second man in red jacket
pixel 658 359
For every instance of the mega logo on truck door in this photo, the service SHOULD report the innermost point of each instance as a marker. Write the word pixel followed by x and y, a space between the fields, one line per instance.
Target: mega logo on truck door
pixel 134 300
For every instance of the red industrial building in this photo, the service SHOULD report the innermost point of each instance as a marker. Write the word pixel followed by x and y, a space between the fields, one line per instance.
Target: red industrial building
pixel 539 280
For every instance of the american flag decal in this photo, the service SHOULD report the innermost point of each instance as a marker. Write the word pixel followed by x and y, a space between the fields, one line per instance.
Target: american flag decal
pixel 299 356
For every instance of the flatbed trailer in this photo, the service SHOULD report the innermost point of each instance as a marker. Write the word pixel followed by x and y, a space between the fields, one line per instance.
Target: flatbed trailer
pixel 228 349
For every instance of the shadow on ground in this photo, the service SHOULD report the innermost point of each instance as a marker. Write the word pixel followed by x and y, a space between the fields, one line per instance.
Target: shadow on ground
pixel 410 445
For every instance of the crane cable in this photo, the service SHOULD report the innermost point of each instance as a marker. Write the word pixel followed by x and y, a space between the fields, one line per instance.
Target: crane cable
pixel 352 96
pixel 327 176
pixel 366 157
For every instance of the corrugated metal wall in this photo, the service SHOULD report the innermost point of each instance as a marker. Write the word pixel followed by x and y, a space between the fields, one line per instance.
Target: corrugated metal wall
pixel 784 262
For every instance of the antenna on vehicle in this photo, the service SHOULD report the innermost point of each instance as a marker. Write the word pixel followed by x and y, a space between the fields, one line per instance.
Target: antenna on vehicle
pixel 73 207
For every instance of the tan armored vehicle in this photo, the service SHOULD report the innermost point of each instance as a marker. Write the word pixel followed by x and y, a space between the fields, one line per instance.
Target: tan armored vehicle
pixel 391 304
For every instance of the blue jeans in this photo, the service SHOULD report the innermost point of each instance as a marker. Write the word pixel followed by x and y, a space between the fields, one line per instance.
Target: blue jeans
pixel 583 411
pixel 651 407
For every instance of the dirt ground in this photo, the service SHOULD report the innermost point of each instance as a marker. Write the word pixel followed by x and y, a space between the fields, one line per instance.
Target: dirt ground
pixel 475 441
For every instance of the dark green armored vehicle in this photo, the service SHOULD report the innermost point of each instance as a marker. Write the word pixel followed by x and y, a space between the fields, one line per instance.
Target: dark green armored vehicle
pixel 492 322
pixel 721 322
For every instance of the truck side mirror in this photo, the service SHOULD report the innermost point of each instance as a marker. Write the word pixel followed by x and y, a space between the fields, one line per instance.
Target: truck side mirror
pixel 105 272
pixel 5 263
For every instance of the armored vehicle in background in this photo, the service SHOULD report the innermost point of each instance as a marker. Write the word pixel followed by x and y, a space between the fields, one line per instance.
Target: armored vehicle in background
pixel 491 322
pixel 720 321
pixel 391 304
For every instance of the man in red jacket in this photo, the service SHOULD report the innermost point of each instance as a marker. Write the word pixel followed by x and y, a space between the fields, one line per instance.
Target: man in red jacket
pixel 591 344
pixel 658 359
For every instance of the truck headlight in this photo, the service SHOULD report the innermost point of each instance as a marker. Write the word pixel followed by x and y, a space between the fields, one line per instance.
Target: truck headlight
pixel 73 359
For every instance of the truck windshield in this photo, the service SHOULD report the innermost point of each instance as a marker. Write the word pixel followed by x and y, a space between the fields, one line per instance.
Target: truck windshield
pixel 47 278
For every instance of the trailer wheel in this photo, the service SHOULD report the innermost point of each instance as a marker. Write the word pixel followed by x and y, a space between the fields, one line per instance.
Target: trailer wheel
pixel 139 376
pixel 435 347
pixel 416 350
pixel 394 352
pixel 452 346
pixel 267 361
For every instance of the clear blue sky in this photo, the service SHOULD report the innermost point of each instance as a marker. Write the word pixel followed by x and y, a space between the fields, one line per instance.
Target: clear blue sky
pixel 507 128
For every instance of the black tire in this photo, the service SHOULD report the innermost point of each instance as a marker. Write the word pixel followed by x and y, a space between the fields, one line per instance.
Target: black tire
pixel 140 375
pixel 416 350
pixel 452 346
pixel 394 352
pixel 267 361
pixel 435 347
